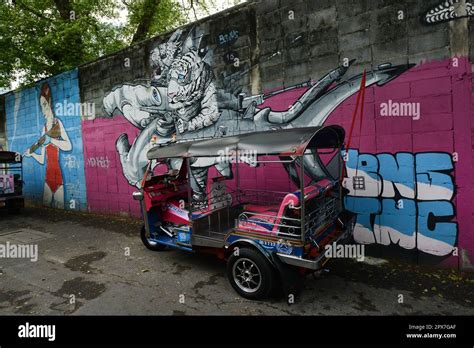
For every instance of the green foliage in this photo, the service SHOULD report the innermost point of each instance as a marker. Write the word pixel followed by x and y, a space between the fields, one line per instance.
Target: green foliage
pixel 39 38
pixel 169 15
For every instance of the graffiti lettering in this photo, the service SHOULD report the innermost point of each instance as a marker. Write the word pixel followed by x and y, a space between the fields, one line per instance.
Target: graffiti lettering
pixel 98 162
pixel 406 201
pixel 227 39
pixel 70 162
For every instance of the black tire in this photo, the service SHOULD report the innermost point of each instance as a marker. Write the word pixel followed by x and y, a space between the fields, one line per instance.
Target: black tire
pixel 13 209
pixel 150 244
pixel 243 260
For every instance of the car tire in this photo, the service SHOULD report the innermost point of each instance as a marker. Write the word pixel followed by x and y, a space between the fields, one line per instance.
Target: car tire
pixel 13 209
pixel 149 244
pixel 251 274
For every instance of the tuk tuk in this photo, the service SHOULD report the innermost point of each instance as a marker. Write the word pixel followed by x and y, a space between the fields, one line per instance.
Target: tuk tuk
pixel 273 202
pixel 11 183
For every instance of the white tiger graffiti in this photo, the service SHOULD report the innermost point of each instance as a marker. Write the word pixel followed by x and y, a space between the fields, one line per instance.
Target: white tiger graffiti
pixel 162 57
pixel 192 93
pixel 182 98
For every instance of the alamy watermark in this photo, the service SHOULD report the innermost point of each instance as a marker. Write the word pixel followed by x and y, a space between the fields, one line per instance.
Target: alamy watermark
pixel 397 109
pixel 85 110
pixel 28 330
pixel 19 251
pixel 345 251
pixel 240 156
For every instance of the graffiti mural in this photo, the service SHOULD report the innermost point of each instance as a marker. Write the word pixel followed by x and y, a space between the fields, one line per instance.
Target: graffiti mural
pixel 183 101
pixel 231 75
pixel 449 10
pixel 403 199
pixel 54 139
pixel 51 143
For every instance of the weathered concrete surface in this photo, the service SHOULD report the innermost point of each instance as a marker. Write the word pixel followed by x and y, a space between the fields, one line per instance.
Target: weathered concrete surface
pixel 84 256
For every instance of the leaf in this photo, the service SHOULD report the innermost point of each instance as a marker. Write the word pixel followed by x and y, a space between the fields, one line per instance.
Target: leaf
pixel 39 39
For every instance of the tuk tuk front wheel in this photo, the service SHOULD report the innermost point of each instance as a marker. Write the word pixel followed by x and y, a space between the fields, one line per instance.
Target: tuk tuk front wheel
pixel 250 274
pixel 150 244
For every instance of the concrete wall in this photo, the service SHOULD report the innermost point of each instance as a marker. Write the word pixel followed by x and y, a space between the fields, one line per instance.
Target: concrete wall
pixel 413 154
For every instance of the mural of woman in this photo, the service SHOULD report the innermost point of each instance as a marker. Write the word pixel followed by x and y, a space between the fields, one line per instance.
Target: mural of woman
pixel 54 139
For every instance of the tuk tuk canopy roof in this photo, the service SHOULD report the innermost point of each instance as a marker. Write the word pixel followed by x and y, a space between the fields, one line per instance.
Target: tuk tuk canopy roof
pixel 9 157
pixel 285 142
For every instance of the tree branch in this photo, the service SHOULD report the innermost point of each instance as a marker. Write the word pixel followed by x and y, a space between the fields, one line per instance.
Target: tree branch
pixel 64 7
pixel 194 10
pixel 150 8
pixel 21 5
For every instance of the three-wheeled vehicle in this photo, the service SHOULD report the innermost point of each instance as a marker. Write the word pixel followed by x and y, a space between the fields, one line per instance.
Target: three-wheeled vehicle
pixel 271 214
pixel 11 183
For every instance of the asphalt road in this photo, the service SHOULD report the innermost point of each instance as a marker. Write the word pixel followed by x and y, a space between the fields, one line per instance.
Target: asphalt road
pixel 89 264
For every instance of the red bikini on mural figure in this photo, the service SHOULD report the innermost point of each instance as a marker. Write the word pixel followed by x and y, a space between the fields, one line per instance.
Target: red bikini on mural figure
pixel 53 140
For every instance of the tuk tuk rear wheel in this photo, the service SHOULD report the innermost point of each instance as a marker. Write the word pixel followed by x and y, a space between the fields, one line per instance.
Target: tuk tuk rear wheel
pixel 150 244
pixel 251 274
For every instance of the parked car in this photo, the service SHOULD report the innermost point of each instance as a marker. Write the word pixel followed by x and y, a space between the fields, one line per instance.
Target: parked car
pixel 11 181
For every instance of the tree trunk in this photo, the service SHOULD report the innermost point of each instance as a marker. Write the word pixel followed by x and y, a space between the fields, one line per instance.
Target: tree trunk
pixel 64 7
pixel 148 14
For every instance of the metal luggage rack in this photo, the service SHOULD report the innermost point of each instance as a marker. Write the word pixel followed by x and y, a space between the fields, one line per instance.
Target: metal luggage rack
pixel 323 213
pixel 222 197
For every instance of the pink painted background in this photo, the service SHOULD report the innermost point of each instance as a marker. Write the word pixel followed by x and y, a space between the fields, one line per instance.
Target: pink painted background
pixel 109 190
pixel 447 104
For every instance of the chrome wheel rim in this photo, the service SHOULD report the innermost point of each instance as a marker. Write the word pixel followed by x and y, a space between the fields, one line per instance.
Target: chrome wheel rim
pixel 247 275
pixel 150 241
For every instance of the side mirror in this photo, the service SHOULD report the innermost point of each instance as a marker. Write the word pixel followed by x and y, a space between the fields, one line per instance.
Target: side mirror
pixel 137 195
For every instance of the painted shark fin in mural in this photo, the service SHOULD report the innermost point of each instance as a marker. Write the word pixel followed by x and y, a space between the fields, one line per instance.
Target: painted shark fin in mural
pixel 317 112
pixel 315 106
pixel 312 94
